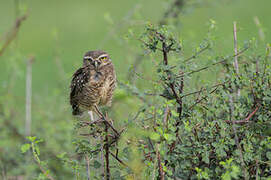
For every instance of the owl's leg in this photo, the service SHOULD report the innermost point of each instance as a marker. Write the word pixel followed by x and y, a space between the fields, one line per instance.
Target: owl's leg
pixel 91 116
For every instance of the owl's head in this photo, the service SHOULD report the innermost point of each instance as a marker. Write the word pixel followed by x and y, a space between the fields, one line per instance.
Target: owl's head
pixel 96 58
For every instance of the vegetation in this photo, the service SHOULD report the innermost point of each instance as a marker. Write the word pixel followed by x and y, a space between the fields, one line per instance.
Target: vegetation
pixel 187 106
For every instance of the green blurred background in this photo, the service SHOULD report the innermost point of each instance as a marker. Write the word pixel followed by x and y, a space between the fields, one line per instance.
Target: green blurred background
pixel 58 33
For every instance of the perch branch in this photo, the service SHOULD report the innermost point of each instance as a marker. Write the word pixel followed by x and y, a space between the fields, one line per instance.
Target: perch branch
pixel 107 152
pixel 105 120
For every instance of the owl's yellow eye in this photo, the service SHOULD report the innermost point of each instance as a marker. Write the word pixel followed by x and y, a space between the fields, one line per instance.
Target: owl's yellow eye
pixel 103 58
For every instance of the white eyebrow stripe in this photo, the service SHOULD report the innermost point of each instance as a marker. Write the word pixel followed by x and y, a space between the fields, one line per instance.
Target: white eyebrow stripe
pixel 87 57
pixel 104 55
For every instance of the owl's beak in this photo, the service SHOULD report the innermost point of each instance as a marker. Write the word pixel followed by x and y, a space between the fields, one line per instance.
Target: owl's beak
pixel 96 64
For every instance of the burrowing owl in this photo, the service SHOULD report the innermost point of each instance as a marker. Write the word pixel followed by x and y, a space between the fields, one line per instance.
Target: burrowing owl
pixel 94 83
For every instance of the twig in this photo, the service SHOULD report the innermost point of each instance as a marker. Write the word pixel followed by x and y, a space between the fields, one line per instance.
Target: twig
pixel 28 96
pixel 36 158
pixel 107 152
pixel 236 53
pixel 105 120
pixel 87 123
pixel 87 166
pixel 11 35
pixel 173 11
pixel 118 159
pixel 246 119
pixel 166 116
pixel 236 138
pixel 204 89
pixel 154 166
pixel 216 63
pixel 102 158
pixel 161 171
pixel 165 60
pixel 199 100
pixel 197 53
pixel 257 169
pixel 258 24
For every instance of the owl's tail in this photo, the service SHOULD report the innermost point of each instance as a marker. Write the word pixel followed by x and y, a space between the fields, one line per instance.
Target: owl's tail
pixel 76 110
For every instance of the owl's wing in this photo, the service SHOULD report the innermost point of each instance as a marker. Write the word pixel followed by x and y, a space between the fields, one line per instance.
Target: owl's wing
pixel 79 79
pixel 112 85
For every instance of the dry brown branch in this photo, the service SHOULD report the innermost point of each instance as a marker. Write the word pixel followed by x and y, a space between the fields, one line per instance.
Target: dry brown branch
pixel 107 144
pixel 28 96
pixel 102 158
pixel 87 166
pixel 118 159
pixel 246 120
pixel 161 171
pixel 11 35
pixel 166 116
pixel 106 121
pixel 236 138
pixel 199 100
pixel 232 108
pixel 107 152
pixel 236 66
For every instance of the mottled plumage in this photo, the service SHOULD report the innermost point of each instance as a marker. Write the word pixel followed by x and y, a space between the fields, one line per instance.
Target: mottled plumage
pixel 94 83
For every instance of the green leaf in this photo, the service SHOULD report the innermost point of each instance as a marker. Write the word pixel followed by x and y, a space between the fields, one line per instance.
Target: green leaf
pixel 25 148
pixel 206 157
pixel 30 138
pixel 155 136
pixel 268 155
pixel 61 156
pixel 97 164
pixel 37 150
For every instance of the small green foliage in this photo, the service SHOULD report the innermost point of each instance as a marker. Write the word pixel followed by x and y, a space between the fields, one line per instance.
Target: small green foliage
pixel 232 171
pixel 194 128
pixel 25 148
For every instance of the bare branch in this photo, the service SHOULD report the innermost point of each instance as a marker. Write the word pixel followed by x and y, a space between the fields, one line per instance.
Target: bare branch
pixel 258 24
pixel 246 120
pixel 107 152
pixel 118 159
pixel 11 35
pixel 236 138
pixel 161 171
pixel 235 53
pixel 216 63
pixel 87 166
pixel 28 96
pixel 197 53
